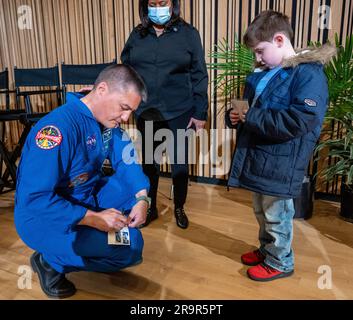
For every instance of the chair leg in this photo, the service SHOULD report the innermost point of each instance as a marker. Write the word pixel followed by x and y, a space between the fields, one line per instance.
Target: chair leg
pixel 10 167
pixel 171 194
pixel 2 138
pixel 10 158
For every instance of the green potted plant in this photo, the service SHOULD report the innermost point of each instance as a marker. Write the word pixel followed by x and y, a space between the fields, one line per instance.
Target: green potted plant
pixel 232 65
pixel 337 142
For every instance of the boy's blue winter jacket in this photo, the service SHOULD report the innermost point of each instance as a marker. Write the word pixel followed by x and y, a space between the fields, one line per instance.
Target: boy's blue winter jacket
pixel 275 143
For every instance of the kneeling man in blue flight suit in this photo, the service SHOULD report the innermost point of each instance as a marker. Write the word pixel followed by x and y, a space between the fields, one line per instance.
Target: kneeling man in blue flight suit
pixel 64 205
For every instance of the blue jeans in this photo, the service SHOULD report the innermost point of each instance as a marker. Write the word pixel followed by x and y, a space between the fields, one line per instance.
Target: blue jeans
pixel 275 218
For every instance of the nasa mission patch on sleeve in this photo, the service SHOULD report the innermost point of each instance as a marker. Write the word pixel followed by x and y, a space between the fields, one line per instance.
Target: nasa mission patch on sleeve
pixel 48 137
pixel 310 102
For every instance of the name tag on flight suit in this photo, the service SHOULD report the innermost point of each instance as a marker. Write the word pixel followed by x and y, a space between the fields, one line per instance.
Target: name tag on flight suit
pixel 119 238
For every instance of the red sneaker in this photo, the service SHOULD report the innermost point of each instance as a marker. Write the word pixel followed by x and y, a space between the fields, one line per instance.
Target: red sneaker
pixel 252 258
pixel 263 272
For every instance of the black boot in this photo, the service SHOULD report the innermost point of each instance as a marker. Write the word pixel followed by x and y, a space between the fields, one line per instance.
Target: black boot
pixel 53 283
pixel 181 218
pixel 152 214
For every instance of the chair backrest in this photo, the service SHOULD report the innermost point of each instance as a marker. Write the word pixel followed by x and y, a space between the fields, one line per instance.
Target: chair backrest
pixel 37 77
pixel 41 77
pixel 4 87
pixel 82 74
pixel 4 80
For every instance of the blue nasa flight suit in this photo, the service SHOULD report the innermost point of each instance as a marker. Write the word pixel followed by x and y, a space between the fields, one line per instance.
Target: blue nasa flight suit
pixel 59 177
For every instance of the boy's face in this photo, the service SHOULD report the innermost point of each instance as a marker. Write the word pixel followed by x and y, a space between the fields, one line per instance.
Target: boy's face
pixel 270 54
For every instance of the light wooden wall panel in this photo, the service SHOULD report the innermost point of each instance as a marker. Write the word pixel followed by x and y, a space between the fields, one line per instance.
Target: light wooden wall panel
pixel 94 31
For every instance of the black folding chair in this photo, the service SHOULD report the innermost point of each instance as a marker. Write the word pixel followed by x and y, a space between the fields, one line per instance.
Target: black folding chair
pixel 81 74
pixel 39 82
pixel 7 164
pixel 46 79
pixel 4 87
pixel 28 83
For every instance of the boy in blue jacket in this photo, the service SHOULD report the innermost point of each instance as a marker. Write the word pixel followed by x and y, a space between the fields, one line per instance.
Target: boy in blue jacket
pixel 288 98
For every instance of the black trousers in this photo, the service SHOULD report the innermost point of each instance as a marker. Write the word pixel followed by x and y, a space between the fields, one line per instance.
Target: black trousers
pixel 180 166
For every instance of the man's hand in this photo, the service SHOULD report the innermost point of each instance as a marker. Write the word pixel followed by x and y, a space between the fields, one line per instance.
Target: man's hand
pixel 198 124
pixel 86 89
pixel 107 220
pixel 138 214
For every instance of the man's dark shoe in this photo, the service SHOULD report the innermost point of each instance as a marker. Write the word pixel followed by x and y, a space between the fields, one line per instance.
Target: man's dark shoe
pixel 152 214
pixel 181 218
pixel 53 283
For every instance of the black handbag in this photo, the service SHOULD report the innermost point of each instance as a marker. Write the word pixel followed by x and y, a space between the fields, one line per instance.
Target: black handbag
pixel 304 203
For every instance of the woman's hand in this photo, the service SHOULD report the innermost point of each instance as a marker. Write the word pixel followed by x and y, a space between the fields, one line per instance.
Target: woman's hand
pixel 198 124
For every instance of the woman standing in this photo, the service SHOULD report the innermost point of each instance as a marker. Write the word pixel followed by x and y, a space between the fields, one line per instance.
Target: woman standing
pixel 167 52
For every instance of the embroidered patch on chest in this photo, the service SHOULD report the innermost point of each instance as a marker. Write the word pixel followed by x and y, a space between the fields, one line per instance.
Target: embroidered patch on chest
pixel 91 142
pixel 310 102
pixel 107 135
pixel 82 178
pixel 48 137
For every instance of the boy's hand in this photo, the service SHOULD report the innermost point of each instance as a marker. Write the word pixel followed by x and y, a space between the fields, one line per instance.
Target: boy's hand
pixel 234 117
pixel 243 115
pixel 239 110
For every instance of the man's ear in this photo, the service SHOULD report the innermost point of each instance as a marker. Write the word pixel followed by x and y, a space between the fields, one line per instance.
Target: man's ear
pixel 102 88
pixel 279 39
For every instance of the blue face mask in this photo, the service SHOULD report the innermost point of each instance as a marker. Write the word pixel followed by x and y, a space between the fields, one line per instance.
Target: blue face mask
pixel 159 15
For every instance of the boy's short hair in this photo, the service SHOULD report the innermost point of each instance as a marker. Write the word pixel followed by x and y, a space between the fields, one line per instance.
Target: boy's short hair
pixel 265 26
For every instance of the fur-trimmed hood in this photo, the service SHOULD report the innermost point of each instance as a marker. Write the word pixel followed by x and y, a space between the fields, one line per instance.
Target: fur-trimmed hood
pixel 320 55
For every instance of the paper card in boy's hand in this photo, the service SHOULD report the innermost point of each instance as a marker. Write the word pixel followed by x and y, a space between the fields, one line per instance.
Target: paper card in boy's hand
pixel 119 238
pixel 240 106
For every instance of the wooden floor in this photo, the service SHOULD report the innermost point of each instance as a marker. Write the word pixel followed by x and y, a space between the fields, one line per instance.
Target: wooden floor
pixel 202 262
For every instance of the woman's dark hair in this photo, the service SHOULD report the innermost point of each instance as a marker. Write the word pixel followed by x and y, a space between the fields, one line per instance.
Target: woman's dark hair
pixel 146 22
